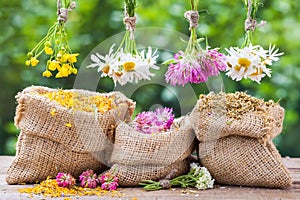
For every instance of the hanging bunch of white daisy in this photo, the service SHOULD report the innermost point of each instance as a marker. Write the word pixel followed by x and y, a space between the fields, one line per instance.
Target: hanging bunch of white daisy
pixel 126 64
pixel 251 61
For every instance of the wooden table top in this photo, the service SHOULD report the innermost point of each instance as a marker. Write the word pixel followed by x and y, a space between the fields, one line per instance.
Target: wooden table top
pixel 10 192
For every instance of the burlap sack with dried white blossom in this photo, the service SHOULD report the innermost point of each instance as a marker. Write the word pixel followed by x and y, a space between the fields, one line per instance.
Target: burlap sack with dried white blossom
pixel 137 156
pixel 240 151
pixel 47 146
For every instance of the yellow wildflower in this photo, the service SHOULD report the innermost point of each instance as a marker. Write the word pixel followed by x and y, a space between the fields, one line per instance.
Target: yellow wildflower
pixel 53 65
pixel 72 57
pixel 65 70
pixel 65 57
pixel 47 73
pixel 48 50
pixel 66 66
pixel 59 56
pixel 58 75
pixel 74 70
pixel 34 61
pixel 27 62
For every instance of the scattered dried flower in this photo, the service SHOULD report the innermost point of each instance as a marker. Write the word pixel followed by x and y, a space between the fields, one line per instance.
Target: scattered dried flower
pixel 109 181
pixel 65 180
pixel 89 179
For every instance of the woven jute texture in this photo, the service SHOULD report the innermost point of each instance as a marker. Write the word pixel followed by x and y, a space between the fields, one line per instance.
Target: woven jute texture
pixel 47 146
pixel 135 148
pixel 244 161
pixel 211 122
pixel 132 175
pixel 235 133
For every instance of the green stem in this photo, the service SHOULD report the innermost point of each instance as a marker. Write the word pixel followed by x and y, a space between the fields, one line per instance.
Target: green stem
pixel 122 42
pixel 130 6
pixel 66 3
pixel 50 32
pixel 193 43
pixel 248 39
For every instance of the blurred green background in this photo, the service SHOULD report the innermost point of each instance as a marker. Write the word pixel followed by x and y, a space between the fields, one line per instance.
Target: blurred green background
pixel 24 22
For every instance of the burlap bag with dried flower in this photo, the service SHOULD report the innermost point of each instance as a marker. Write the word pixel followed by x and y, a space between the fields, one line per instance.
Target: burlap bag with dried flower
pixel 139 156
pixel 135 148
pixel 57 138
pixel 235 133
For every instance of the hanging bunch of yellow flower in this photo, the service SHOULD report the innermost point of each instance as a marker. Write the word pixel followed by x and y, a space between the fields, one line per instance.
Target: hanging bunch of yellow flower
pixel 55 44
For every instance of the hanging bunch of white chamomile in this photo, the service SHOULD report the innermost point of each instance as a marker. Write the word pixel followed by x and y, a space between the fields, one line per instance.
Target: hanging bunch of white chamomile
pixel 251 61
pixel 126 64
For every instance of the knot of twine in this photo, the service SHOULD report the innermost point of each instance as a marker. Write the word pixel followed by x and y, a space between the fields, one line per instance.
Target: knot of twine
pixel 251 24
pixel 130 23
pixel 165 183
pixel 192 16
pixel 63 13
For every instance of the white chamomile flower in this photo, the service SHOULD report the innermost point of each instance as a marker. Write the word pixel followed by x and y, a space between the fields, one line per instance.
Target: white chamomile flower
pixel 132 68
pixel 125 67
pixel 273 55
pixel 106 64
pixel 251 62
pixel 261 71
pixel 241 62
pixel 150 57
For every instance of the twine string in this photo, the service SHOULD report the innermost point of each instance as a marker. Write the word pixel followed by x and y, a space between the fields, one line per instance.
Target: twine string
pixel 250 23
pixel 63 13
pixel 130 23
pixel 165 183
pixel 192 17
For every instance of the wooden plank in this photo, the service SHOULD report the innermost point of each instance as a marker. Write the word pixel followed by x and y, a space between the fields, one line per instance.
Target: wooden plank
pixel 221 192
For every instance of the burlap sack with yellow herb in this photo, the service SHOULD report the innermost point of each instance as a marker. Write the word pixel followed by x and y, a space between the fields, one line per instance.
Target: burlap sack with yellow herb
pixel 138 155
pixel 235 133
pixel 64 131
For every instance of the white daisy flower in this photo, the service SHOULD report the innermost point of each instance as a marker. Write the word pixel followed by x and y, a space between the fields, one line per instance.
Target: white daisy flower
pixel 272 55
pixel 261 71
pixel 251 62
pixel 132 68
pixel 125 67
pixel 106 64
pixel 150 57
pixel 241 62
